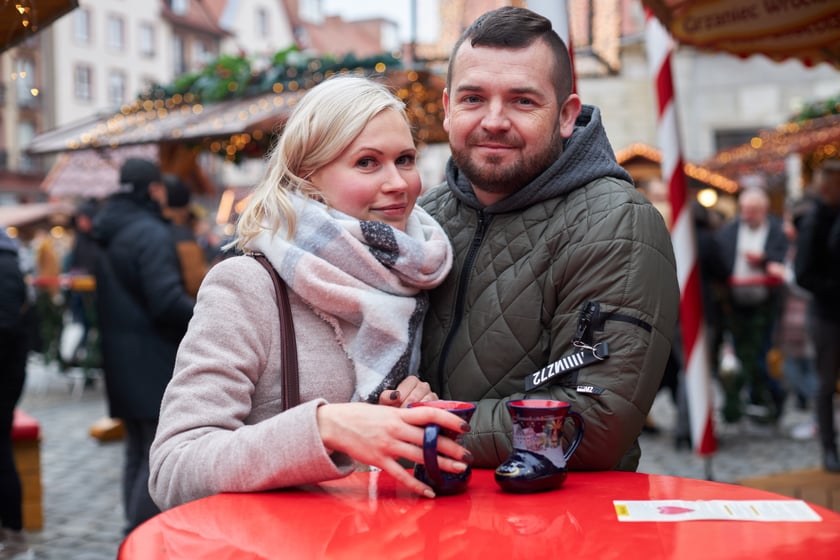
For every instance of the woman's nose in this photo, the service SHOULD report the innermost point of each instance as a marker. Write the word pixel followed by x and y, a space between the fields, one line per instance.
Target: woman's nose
pixel 395 179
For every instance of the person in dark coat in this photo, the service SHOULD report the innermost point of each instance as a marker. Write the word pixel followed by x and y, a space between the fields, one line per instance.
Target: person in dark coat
pixel 752 251
pixel 817 269
pixel 13 352
pixel 143 311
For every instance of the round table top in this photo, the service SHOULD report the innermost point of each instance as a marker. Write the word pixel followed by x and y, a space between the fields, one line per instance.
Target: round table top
pixel 366 515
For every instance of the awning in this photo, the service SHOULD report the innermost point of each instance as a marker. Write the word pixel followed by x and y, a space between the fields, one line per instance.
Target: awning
pixel 805 30
pixel 91 173
pixel 768 150
pixel 17 215
pixel 237 122
pixel 20 19
pixel 189 122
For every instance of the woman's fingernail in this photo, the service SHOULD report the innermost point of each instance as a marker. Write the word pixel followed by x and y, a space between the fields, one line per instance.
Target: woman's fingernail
pixel 467 456
pixel 465 427
pixel 428 493
pixel 460 467
pixel 395 395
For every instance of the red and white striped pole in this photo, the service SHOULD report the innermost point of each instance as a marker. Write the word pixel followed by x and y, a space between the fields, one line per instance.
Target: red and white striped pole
pixel 697 373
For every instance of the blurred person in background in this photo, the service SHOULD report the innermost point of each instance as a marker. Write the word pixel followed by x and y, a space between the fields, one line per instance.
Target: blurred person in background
pixel 14 348
pixel 179 213
pixel 81 261
pixel 817 269
pixel 143 310
pixel 753 248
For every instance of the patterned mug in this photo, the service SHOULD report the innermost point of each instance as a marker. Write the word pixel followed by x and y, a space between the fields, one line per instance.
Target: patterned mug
pixel 538 461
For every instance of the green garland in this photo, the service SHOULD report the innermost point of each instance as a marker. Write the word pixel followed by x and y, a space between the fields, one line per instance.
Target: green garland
pixel 232 77
pixel 817 109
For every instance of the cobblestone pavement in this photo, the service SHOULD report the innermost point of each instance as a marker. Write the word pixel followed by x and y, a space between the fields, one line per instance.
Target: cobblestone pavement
pixel 81 477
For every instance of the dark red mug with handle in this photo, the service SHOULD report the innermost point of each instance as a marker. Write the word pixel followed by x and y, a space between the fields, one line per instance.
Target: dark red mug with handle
pixel 443 483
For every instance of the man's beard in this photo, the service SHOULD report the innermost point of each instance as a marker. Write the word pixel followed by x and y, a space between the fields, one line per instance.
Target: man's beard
pixel 490 176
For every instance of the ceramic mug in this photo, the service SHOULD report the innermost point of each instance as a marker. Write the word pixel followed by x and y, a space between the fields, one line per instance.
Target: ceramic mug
pixel 429 471
pixel 538 461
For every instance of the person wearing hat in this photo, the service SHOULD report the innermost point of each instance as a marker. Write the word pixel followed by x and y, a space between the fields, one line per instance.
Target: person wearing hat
pixel 143 311
pixel 179 213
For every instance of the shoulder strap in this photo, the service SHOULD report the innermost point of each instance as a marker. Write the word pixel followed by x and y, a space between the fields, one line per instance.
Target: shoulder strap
pixel 289 367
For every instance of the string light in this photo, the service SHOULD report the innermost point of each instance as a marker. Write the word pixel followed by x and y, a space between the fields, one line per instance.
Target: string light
pixel 148 119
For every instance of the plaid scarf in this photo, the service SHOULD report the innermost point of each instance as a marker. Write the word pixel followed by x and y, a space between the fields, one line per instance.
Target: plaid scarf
pixel 366 279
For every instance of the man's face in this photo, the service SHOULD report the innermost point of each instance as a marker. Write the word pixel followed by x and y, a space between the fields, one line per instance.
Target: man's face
pixel 753 211
pixel 827 186
pixel 504 122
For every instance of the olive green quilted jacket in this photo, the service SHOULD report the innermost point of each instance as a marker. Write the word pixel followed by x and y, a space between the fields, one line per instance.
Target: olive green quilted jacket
pixel 524 269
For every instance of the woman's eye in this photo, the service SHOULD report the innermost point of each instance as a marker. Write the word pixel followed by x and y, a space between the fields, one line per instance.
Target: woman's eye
pixel 406 160
pixel 366 162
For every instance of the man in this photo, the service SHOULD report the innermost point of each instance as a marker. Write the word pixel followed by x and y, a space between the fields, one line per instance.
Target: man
pixel 555 251
pixel 817 267
pixel 14 349
pixel 143 311
pixel 753 248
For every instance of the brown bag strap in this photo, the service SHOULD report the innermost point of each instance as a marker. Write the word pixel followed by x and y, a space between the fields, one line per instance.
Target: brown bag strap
pixel 289 367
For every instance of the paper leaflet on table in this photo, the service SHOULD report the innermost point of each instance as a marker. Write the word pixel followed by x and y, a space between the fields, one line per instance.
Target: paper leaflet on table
pixel 735 510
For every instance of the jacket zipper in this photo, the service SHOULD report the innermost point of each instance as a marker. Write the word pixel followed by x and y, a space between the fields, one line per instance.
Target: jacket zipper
pixel 478 237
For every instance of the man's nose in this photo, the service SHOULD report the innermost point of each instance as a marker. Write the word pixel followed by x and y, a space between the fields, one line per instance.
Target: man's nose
pixel 496 117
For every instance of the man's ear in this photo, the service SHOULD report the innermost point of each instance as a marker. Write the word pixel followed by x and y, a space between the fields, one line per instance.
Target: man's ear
pixel 446 110
pixel 568 115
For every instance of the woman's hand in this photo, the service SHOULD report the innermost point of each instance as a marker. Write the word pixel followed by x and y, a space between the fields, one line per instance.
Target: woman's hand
pixel 410 390
pixel 379 435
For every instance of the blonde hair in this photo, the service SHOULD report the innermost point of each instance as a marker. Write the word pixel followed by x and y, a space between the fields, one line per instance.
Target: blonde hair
pixel 322 125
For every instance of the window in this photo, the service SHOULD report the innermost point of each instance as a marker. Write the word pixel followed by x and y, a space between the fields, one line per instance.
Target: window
pixel 81 26
pixel 24 78
pixel 146 38
pixel 735 137
pixel 200 55
pixel 83 82
pixel 179 6
pixel 116 88
pixel 25 134
pixel 116 33
pixel 263 27
pixel 178 55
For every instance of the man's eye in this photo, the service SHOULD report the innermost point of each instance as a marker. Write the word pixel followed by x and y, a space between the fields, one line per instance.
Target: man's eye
pixel 524 101
pixel 471 99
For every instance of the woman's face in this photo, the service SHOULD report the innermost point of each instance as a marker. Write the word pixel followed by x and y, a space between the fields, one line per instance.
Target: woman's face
pixel 376 177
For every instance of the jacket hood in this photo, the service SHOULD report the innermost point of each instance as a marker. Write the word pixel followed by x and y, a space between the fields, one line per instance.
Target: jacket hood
pixel 120 211
pixel 587 155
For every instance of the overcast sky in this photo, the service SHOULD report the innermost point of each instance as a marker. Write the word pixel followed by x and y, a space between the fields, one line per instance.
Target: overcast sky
pixel 396 10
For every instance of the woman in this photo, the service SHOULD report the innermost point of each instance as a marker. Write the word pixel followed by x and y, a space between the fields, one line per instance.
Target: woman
pixel 335 215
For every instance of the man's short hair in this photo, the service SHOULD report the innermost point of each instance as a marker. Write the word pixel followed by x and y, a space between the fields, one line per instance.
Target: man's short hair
pixel 510 27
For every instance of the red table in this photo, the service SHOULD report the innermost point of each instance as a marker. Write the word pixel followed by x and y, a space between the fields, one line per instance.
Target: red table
pixel 367 516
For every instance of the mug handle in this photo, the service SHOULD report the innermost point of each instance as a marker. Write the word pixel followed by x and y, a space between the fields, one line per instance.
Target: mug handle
pixel 430 456
pixel 578 420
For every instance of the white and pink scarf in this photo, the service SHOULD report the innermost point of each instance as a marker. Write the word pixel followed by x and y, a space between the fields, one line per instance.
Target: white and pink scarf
pixel 366 279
